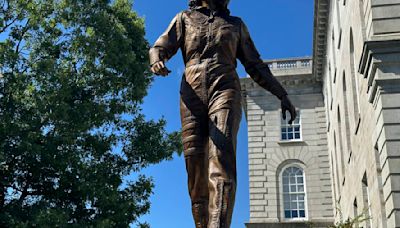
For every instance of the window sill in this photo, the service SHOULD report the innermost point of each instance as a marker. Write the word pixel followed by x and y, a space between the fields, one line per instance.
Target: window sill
pixel 295 220
pixel 290 141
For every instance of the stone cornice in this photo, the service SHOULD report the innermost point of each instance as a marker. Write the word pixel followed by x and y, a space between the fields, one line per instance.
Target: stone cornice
pixel 289 81
pixel 376 47
pixel 321 18
pixel 379 54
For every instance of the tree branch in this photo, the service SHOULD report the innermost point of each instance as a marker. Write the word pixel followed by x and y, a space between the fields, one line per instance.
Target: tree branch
pixel 24 30
pixel 24 192
pixel 2 195
pixel 8 25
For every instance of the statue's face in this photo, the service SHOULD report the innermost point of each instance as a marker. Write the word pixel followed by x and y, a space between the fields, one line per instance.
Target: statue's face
pixel 218 4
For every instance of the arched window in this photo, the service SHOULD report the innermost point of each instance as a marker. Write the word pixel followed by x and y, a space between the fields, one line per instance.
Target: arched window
pixel 294 193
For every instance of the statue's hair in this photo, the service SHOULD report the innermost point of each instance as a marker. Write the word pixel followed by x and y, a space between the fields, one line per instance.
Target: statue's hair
pixel 194 3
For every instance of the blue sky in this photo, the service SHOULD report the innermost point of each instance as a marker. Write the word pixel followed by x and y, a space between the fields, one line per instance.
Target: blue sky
pixel 280 29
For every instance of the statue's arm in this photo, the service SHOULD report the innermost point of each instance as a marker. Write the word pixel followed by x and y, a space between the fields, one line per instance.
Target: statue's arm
pixel 255 67
pixel 169 42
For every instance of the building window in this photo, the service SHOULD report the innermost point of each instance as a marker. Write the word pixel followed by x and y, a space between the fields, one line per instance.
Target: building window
pixel 366 199
pixel 334 77
pixel 293 131
pixel 354 84
pixel 294 196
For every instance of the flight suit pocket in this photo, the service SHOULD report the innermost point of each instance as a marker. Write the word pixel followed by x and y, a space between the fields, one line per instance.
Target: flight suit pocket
pixel 193 33
pixel 227 33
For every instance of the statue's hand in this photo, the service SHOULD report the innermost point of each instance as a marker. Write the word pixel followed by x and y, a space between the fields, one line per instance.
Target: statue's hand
pixel 159 68
pixel 287 105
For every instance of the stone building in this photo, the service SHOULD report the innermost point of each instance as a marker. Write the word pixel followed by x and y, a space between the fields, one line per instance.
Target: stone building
pixel 290 178
pixel 357 59
pixel 343 154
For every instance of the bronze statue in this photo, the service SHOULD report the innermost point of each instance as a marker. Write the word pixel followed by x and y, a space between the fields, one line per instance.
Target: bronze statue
pixel 211 40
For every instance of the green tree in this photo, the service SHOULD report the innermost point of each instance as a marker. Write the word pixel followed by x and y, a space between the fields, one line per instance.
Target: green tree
pixel 73 76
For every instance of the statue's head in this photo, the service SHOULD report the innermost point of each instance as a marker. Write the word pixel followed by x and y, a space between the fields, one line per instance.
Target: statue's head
pixel 218 5
pixel 195 3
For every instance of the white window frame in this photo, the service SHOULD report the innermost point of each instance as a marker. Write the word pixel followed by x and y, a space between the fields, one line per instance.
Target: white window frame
pixel 282 208
pixel 287 126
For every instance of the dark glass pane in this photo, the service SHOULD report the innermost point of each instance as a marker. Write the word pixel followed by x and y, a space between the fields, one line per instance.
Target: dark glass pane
pixel 302 214
pixel 297 135
pixel 285 180
pixel 287 205
pixel 283 130
pixel 297 128
pixel 290 129
pixel 295 214
pixel 286 197
pixel 287 214
pixel 299 171
pixel 285 188
pixel 300 180
pixel 290 136
pixel 284 136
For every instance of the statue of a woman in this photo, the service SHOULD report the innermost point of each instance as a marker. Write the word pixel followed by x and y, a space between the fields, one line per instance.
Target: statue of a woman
pixel 211 40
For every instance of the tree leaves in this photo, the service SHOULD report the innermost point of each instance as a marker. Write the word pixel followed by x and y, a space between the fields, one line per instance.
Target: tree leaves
pixel 74 74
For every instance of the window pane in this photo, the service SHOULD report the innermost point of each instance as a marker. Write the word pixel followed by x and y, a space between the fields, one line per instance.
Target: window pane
pixel 293 205
pixel 284 136
pixel 286 180
pixel 294 214
pixel 301 197
pixel 292 188
pixel 290 136
pixel 285 188
pixel 300 180
pixel 287 205
pixel 297 135
pixel 301 205
pixel 287 214
pixel 286 197
pixel 297 128
pixel 302 213
pixel 301 188
pixel 290 129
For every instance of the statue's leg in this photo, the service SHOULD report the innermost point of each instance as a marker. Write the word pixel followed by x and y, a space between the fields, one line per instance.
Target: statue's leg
pixel 223 128
pixel 195 139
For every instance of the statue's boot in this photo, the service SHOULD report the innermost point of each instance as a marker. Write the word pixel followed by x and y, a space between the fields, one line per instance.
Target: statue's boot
pixel 200 214
pixel 198 188
pixel 222 201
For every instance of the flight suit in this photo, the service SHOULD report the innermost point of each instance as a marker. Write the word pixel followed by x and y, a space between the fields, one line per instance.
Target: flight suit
pixel 210 104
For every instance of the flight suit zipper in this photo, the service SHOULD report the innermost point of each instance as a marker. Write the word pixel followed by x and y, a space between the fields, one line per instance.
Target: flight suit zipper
pixel 207 60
